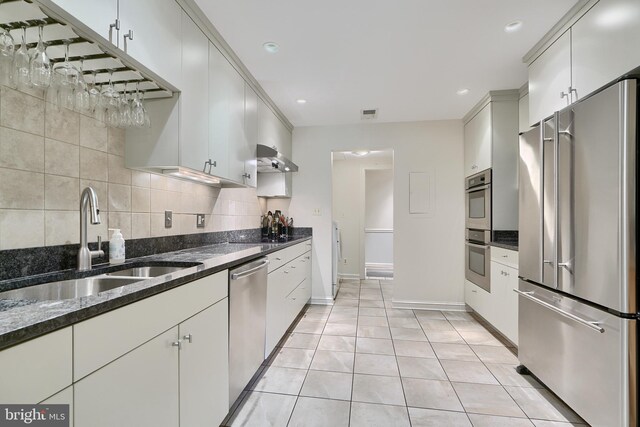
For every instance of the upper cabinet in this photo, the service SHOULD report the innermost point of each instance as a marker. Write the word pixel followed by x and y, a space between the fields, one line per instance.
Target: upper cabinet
pixel 148 30
pixel 477 142
pixel 604 44
pixel 550 80
pixel 601 46
pixel 271 131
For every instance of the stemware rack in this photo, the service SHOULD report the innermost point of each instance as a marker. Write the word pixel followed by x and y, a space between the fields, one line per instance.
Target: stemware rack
pixel 99 56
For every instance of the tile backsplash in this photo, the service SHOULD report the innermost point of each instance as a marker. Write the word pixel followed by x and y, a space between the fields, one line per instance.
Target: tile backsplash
pixel 48 155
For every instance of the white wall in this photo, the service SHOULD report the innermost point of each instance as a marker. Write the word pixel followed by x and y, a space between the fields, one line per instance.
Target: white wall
pixel 378 199
pixel 348 211
pixel 428 248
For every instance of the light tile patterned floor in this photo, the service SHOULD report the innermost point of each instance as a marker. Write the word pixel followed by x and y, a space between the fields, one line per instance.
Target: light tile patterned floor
pixel 363 363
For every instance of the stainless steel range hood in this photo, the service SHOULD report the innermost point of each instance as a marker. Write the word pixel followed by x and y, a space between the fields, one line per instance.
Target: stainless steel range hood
pixel 270 160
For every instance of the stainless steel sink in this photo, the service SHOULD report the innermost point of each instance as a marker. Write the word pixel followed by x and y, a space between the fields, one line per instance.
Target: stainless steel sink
pixel 146 272
pixel 68 289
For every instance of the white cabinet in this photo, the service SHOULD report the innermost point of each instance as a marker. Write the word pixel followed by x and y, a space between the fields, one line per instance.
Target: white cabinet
pixel 138 389
pixel 149 30
pixel 95 14
pixel 504 279
pixel 249 153
pixel 523 114
pixel 226 114
pixel 271 131
pixel 204 361
pixel 477 142
pixel 604 44
pixel 167 354
pixel 288 290
pixel 550 80
pixel 194 99
pixel 36 369
pixel 64 397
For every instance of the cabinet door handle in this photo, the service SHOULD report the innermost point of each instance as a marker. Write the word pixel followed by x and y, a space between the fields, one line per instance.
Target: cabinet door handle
pixel 286 272
pixel 177 344
pixel 278 259
pixel 188 337
pixel 246 175
pixel 293 266
pixel 114 26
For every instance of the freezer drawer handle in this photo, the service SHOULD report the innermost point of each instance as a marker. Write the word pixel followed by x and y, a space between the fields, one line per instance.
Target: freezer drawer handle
pixel 587 323
pixel 249 272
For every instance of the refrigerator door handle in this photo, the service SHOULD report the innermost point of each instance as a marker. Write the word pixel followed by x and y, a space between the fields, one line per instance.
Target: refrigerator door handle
pixel 588 323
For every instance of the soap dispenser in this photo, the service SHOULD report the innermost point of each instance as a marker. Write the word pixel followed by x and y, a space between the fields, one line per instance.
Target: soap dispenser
pixel 116 247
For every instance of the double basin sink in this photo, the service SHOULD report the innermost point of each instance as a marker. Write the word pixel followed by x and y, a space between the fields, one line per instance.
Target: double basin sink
pixel 93 285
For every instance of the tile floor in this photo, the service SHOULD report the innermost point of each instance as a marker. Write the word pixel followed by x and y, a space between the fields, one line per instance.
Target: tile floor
pixel 363 363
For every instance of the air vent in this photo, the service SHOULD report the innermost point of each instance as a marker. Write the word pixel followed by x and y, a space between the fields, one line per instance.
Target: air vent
pixel 369 114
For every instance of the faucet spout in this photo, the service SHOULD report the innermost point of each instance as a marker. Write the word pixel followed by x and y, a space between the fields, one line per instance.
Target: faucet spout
pixel 88 203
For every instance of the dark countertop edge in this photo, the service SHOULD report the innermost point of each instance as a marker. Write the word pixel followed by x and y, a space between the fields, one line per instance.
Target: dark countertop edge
pixel 512 246
pixel 36 330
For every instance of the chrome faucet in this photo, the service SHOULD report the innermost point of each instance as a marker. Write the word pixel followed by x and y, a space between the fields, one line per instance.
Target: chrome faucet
pixel 88 199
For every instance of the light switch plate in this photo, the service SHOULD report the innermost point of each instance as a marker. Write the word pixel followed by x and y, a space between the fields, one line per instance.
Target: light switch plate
pixel 168 219
pixel 200 220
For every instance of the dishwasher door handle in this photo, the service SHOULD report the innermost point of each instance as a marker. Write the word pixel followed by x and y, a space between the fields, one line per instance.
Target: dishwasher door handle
pixel 249 272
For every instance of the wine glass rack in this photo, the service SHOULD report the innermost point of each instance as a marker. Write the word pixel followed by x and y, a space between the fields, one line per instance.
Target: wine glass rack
pixel 99 56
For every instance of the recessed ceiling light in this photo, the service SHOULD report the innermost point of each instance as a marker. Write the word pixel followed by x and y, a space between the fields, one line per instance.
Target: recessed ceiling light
pixel 271 47
pixel 463 91
pixel 513 26
pixel 301 101
pixel 360 152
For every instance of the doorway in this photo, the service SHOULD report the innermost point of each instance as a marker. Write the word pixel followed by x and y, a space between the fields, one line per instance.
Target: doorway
pixel 362 213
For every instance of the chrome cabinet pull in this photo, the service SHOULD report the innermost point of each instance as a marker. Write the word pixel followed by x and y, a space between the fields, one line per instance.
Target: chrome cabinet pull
pixel 177 344
pixel 188 337
pixel 588 323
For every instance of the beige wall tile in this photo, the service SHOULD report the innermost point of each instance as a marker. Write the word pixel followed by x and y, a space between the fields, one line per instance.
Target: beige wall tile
pixel 116 141
pixel 61 158
pixel 188 204
pixel 140 199
pixel 140 225
pixel 140 179
pixel 93 134
pixel 158 201
pixel 61 227
pixel 21 112
pixel 21 189
pixel 121 220
pixel 21 229
pixel 95 230
pixel 119 198
pixel 157 225
pixel 61 193
pixel 173 201
pixel 94 165
pixel 101 190
pixel 62 124
pixel 118 173
pixel 158 182
pixel 21 150
pixel 174 184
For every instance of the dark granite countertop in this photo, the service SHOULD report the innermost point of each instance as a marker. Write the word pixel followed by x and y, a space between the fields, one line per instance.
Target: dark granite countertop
pixel 24 320
pixel 505 239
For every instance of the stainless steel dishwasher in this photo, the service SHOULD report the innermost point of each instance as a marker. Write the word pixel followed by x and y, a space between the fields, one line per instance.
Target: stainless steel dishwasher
pixel 247 323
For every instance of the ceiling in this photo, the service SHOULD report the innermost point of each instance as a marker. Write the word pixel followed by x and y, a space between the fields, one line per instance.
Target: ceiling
pixel 407 58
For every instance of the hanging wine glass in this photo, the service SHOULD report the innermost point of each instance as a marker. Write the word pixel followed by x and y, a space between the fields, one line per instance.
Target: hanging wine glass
pixel 40 64
pixel 6 57
pixel 111 102
pixel 66 79
pixel 82 92
pixel 21 63
pixel 125 109
pixel 146 118
pixel 137 110
pixel 94 93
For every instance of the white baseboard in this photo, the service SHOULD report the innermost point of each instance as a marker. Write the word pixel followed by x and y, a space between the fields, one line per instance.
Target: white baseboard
pixel 444 306
pixel 348 276
pixel 321 301
pixel 379 265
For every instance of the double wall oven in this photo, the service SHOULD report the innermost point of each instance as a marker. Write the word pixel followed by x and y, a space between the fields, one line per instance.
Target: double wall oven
pixel 478 229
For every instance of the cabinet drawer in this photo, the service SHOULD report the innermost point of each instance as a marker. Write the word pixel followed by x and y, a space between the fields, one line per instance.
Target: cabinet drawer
pixel 298 298
pixel 37 369
pixel 104 338
pixel 478 299
pixel 283 256
pixel 504 256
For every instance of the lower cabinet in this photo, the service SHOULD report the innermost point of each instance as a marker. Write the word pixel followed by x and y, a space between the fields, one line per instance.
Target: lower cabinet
pixel 288 290
pixel 500 306
pixel 64 397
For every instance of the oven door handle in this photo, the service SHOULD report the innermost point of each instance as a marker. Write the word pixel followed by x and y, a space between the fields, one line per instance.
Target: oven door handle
pixel 482 187
pixel 475 245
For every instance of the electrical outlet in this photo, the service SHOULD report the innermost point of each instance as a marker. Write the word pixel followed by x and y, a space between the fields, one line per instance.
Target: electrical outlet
pixel 200 220
pixel 316 212
pixel 168 219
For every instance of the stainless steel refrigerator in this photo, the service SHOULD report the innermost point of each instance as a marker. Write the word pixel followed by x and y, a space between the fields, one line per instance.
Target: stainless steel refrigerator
pixel 578 303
